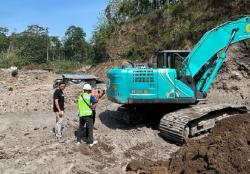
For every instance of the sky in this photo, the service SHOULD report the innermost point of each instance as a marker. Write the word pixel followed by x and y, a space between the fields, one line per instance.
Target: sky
pixel 57 15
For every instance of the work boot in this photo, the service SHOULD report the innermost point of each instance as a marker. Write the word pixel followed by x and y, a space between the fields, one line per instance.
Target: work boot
pixel 61 140
pixel 58 136
pixel 92 144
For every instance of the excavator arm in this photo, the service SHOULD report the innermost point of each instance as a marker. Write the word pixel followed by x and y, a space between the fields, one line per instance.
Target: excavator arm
pixel 210 52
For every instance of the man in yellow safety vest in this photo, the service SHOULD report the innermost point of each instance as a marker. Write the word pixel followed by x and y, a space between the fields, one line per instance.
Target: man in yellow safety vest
pixel 85 103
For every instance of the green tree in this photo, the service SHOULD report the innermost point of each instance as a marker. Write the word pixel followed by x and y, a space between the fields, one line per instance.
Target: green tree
pixel 4 41
pixel 112 10
pixel 55 47
pixel 33 43
pixel 75 45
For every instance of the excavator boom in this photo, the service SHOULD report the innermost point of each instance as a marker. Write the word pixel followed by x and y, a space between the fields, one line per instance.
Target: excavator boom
pixel 213 42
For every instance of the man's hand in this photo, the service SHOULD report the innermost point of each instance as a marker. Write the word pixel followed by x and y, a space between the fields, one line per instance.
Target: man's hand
pixel 93 106
pixel 61 113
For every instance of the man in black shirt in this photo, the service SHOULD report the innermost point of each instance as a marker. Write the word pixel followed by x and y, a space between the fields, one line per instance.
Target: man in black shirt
pixel 58 107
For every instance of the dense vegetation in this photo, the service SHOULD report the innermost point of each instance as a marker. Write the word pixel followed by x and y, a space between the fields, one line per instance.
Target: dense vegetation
pixel 137 29
pixel 35 47
pixel 128 29
pixel 119 13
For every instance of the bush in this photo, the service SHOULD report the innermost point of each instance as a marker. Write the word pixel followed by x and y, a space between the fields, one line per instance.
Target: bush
pixel 12 59
pixel 8 60
pixel 61 66
pixel 58 66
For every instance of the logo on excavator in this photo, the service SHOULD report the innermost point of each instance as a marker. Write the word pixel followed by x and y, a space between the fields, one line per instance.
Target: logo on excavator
pixel 248 28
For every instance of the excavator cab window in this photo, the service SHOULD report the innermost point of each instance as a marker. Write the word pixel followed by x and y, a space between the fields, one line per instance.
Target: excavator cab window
pixel 165 60
pixel 171 59
pixel 160 60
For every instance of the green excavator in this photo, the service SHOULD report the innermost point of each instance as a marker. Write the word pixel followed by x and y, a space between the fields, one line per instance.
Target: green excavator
pixel 181 78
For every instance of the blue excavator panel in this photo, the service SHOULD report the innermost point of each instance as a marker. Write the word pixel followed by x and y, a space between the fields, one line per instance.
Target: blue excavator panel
pixel 117 85
pixel 149 85
pixel 170 87
pixel 166 83
pixel 142 83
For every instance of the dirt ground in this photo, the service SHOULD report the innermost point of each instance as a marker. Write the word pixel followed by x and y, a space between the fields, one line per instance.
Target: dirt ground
pixel 28 144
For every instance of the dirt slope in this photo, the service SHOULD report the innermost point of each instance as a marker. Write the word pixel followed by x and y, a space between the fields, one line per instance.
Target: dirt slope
pixel 100 70
pixel 232 84
pixel 29 91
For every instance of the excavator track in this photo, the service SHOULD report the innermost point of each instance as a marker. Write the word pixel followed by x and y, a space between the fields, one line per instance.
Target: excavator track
pixel 195 120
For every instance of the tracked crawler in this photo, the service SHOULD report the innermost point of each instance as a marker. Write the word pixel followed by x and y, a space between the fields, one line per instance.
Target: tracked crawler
pixel 193 121
pixel 180 78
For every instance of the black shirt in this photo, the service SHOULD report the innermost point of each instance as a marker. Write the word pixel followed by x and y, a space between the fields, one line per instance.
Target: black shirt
pixel 58 94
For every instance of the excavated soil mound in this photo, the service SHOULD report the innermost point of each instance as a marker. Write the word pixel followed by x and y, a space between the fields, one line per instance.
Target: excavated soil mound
pixel 146 167
pixel 225 150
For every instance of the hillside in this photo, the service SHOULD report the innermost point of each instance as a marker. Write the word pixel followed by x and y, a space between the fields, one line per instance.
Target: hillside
pixel 177 26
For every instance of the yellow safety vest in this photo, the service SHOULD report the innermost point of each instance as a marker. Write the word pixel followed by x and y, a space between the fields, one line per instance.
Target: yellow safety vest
pixel 84 109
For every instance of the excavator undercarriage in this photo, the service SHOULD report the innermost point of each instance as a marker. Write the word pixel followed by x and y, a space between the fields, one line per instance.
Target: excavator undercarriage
pixel 195 120
pixel 181 123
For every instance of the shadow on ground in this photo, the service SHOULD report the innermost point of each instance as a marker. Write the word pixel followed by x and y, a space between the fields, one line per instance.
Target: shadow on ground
pixel 114 120
pixel 147 116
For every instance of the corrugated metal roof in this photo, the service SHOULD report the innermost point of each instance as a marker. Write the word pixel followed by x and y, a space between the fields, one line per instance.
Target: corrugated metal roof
pixel 79 76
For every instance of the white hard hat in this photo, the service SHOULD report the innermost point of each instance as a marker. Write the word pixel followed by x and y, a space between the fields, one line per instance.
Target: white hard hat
pixel 87 87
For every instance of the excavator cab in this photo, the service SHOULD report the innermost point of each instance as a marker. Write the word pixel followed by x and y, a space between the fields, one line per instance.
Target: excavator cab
pixel 171 59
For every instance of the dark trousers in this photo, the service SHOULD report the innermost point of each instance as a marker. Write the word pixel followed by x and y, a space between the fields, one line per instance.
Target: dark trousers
pixel 89 127
pixel 94 113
